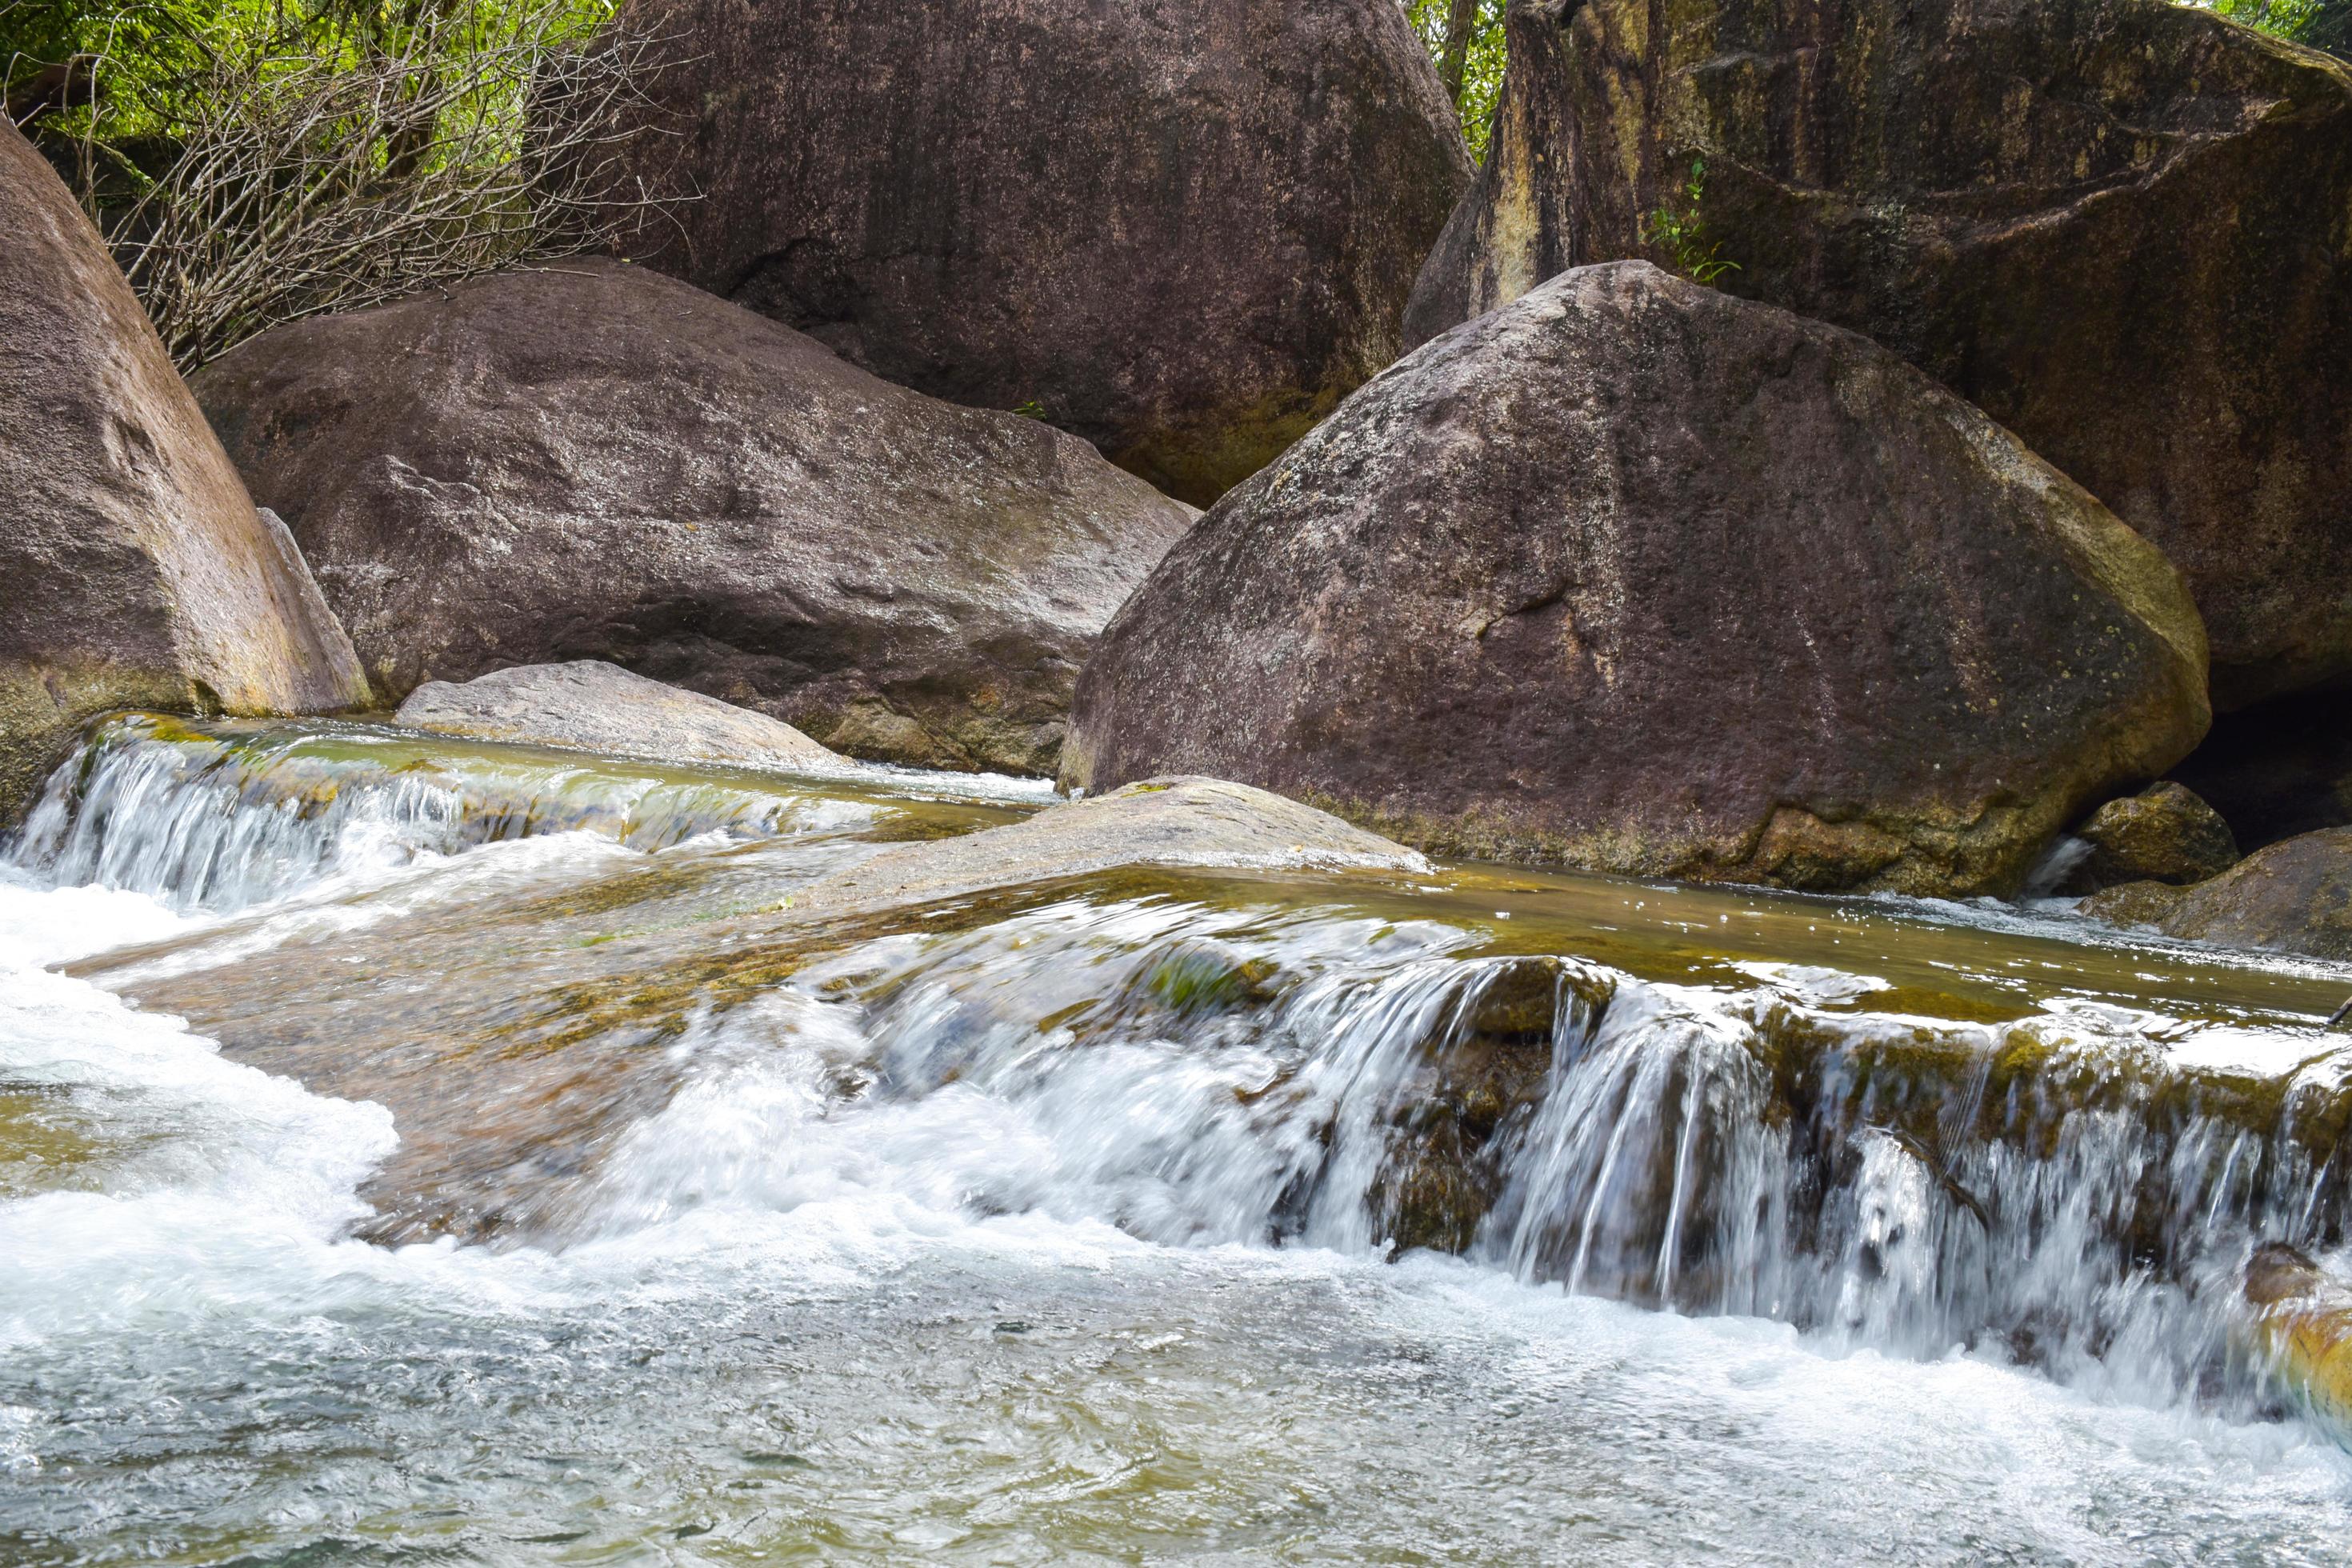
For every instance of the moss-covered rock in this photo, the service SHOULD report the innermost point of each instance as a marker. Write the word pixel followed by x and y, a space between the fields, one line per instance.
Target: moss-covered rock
pixel 2303 1327
pixel 2133 903
pixel 2122 227
pixel 2166 833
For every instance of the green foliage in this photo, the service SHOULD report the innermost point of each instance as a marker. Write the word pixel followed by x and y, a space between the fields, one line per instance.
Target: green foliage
pixel 254 160
pixel 1481 64
pixel 2321 23
pixel 1679 229
pixel 150 61
pixel 1030 409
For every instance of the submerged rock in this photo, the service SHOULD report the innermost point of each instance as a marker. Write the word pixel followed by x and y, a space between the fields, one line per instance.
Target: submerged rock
pixel 1958 180
pixel 597 462
pixel 1471 1086
pixel 1182 228
pixel 2296 896
pixel 2303 1325
pixel 1158 822
pixel 2166 833
pixel 590 706
pixel 1636 576
pixel 139 574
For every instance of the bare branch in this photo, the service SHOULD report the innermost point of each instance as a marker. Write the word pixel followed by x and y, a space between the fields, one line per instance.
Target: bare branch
pixel 314 180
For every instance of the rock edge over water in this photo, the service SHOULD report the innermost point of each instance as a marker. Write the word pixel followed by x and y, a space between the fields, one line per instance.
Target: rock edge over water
pixel 1171 821
pixel 1635 576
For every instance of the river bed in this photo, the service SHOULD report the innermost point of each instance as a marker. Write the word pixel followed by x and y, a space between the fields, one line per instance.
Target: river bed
pixel 413 1151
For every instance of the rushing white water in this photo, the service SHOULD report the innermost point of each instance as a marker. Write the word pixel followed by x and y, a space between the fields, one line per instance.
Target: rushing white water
pixel 1065 1236
pixel 222 821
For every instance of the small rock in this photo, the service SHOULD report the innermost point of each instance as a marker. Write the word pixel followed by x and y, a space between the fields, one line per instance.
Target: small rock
pixel 2303 1322
pixel 2133 904
pixel 590 706
pixel 2164 833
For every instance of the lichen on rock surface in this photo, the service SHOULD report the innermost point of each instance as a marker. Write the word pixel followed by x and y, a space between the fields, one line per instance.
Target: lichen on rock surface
pixel 1634 575
pixel 2122 227
pixel 1182 229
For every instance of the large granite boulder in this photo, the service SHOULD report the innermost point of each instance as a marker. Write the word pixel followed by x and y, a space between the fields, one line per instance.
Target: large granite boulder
pixel 590 706
pixel 2121 227
pixel 1182 228
pixel 593 461
pixel 2295 896
pixel 1637 577
pixel 139 574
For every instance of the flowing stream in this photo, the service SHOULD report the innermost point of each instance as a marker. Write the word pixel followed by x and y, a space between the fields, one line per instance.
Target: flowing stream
pixel 420 1151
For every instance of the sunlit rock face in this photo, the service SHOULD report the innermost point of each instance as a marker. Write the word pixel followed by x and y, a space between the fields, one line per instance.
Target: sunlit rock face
pixel 136 569
pixel 1181 229
pixel 593 461
pixel 1634 575
pixel 2119 226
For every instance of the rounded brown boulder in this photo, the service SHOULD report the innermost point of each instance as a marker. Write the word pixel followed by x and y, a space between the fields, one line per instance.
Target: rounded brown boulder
pixel 2295 897
pixel 2166 833
pixel 591 461
pixel 1182 228
pixel 2121 227
pixel 138 572
pixel 1637 577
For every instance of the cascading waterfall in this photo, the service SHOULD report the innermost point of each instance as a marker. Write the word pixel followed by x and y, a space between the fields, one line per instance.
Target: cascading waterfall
pixel 1715 1153
pixel 2052 1192
pixel 230 815
pixel 681 1131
